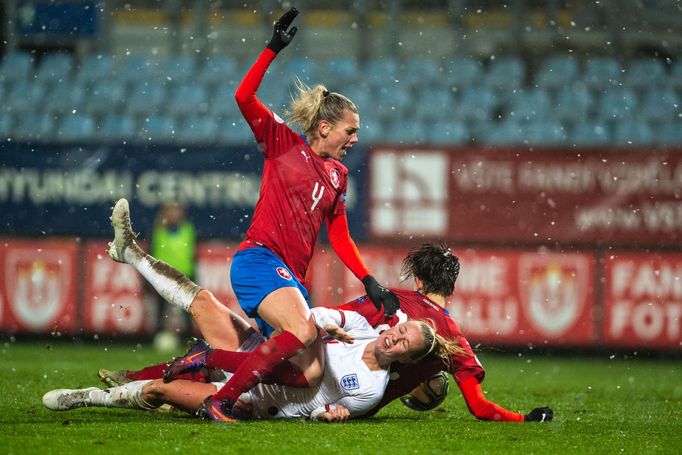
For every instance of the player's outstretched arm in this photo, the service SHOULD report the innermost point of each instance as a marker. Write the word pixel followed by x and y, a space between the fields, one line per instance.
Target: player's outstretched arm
pixel 337 415
pixel 482 408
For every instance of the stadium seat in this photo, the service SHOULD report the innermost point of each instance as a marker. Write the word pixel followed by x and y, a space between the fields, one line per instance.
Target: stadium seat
pixel 158 128
pixel 556 72
pixel 407 132
pixel 670 133
pixel 589 133
pixel 342 71
pixel 573 104
pixel 146 98
pixel 421 71
pixel 544 133
pixel 505 74
pixel 198 129
pixel 179 70
pixel 221 102
pixel 16 67
pixel 381 72
pixel 219 70
pixel 660 105
pixel 675 77
pixel 136 69
pixel 75 128
pixel 475 104
pixel 529 105
pixel 602 72
pixel 117 127
pixel 391 104
pixel 234 130
pixel 371 131
pixel 363 99
pixel 24 97
pixel 64 98
pixel 55 68
pixel 5 127
pixel 34 128
pixel 304 69
pixel 187 100
pixel 95 68
pixel 645 73
pixel 105 97
pixel 448 132
pixel 617 104
pixel 433 103
pixel 463 72
pixel 632 132
pixel 508 132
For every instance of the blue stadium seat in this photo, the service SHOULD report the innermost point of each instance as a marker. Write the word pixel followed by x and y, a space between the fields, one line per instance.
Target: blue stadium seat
pixel 55 68
pixel 158 128
pixel 34 128
pixel 117 127
pixel 95 68
pixel 645 73
pixel 632 132
pixel 186 100
pixel 602 72
pixel 304 69
pixel 234 130
pixel 371 131
pixel 660 105
pixel 24 97
pixel 179 70
pixel 75 128
pixel 105 97
pixel 64 98
pixel 407 132
pixel 545 133
pixel 146 98
pixel 16 67
pixel 381 72
pixel 529 105
pixel 198 129
pixel 5 127
pixel 419 72
pixel 219 70
pixel 670 133
pixel 556 72
pixel 505 74
pixel 391 104
pixel 675 77
pixel 222 103
pixel 433 103
pixel 573 103
pixel 475 104
pixel 363 99
pixel 448 132
pixel 508 132
pixel 617 104
pixel 590 133
pixel 138 68
pixel 464 72
pixel 342 71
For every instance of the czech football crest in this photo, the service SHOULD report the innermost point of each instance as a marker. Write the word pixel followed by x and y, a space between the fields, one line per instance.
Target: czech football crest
pixel 284 273
pixel 335 177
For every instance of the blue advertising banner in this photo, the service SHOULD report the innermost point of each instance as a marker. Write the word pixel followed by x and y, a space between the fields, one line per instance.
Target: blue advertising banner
pixel 48 190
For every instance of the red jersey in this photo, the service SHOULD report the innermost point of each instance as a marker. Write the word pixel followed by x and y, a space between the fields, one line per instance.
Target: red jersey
pixel 405 377
pixel 299 189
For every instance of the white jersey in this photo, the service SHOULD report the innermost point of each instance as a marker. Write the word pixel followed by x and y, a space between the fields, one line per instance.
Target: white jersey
pixel 346 381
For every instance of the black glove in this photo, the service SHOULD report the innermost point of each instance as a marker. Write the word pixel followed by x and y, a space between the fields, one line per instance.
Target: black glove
pixel 539 415
pixel 280 37
pixel 381 296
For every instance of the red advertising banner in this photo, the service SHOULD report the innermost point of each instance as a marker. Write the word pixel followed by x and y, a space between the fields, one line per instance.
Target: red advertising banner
pixel 517 298
pixel 114 299
pixel 38 294
pixel 213 273
pixel 518 195
pixel 643 300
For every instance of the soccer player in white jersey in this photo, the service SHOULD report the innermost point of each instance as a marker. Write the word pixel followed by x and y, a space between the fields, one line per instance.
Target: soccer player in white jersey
pixel 355 377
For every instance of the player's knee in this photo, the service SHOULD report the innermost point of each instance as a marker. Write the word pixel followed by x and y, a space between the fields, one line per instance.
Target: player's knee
pixel 203 302
pixel 306 333
pixel 154 391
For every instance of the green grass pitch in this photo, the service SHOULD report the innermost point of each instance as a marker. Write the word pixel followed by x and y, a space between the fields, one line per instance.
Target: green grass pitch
pixel 602 404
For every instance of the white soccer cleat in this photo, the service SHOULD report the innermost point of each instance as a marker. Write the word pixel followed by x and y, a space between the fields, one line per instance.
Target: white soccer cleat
pixel 65 399
pixel 123 231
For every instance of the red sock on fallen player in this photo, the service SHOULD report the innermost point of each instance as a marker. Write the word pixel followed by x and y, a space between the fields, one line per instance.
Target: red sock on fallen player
pixel 286 373
pixel 156 372
pixel 259 364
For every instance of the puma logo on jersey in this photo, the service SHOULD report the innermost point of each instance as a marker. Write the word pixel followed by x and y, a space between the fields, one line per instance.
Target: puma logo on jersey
pixel 305 155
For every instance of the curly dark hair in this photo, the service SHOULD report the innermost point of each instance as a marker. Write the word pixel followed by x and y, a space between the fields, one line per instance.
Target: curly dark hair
pixel 435 265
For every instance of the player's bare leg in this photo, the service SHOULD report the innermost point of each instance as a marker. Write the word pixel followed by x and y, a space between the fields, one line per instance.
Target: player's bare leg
pixel 181 394
pixel 219 325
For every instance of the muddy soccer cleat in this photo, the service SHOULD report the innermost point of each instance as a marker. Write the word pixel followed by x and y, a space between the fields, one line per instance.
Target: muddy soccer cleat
pixel 113 378
pixel 123 231
pixel 216 410
pixel 194 360
pixel 65 399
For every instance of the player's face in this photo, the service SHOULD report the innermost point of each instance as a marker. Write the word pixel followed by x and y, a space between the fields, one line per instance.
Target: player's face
pixel 342 135
pixel 400 342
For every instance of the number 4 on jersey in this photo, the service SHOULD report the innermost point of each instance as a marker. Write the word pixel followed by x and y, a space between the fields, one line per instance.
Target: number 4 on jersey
pixel 318 191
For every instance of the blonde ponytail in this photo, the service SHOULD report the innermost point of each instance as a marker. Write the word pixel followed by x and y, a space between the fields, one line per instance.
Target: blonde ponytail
pixel 314 104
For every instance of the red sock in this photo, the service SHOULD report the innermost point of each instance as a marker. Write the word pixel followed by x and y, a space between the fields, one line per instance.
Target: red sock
pixel 286 373
pixel 156 372
pixel 259 364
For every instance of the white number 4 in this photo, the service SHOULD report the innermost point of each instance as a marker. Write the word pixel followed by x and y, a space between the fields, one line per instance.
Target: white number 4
pixel 318 191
